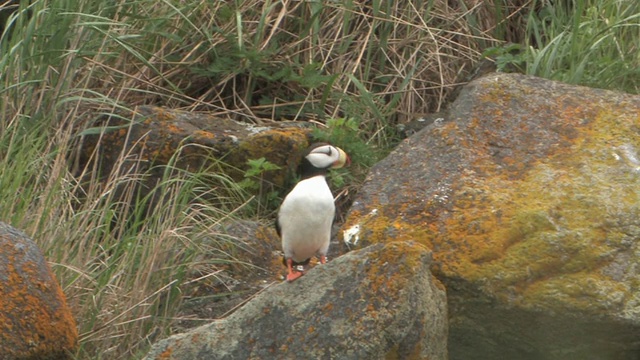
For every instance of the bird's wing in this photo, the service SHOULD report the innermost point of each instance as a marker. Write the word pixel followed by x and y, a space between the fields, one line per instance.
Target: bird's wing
pixel 277 224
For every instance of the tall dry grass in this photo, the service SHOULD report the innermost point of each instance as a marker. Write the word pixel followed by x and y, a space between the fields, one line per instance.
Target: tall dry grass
pixel 64 63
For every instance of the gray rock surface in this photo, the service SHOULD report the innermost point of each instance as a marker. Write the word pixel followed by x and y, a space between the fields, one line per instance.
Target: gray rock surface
pixel 377 303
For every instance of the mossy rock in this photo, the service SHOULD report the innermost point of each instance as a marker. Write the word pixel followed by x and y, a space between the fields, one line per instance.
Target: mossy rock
pixel 529 196
pixel 141 147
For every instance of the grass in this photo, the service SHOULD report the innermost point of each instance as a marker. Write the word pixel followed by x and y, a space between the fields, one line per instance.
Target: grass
pixel 355 69
pixel 593 43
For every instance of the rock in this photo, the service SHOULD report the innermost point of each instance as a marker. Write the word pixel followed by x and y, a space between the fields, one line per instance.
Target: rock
pixel 156 137
pixel 529 198
pixel 259 246
pixel 35 322
pixel 377 303
pixel 257 253
pixel 256 250
pixel 419 123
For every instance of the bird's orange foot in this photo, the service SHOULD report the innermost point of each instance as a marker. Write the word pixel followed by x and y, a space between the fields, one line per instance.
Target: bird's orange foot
pixel 293 275
pixel 323 259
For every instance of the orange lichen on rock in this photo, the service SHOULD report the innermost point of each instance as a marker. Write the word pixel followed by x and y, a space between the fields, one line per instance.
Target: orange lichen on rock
pixel 165 354
pixel 387 274
pixel 34 318
pixel 278 146
pixel 545 226
pixel 365 303
pixel 524 210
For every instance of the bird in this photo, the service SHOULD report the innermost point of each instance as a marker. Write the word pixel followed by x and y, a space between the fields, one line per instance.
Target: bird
pixel 306 214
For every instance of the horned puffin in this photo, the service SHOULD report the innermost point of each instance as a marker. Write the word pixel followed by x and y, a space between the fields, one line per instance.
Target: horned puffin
pixel 306 213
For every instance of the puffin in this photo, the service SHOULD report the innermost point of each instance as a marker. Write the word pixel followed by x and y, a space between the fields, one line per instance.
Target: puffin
pixel 306 214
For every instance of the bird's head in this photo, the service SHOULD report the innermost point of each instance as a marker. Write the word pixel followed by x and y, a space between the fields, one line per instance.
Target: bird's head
pixel 325 156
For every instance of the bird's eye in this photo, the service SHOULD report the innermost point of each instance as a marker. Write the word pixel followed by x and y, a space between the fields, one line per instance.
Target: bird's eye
pixel 326 150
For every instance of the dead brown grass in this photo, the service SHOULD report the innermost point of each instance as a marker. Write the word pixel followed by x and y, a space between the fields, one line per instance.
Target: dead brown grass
pixel 378 62
pixel 303 60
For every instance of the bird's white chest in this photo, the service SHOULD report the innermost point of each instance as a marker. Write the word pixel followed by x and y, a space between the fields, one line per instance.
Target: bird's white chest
pixel 305 218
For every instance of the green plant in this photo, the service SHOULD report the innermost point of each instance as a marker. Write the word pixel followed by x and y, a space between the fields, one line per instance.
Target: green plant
pixel 254 182
pixel 508 58
pixel 346 134
pixel 587 42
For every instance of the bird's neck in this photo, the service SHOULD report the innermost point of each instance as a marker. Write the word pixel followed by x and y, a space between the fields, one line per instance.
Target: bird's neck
pixel 307 170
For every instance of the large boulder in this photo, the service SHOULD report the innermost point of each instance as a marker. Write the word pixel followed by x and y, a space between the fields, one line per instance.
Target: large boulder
pixel 377 303
pixel 528 193
pixel 35 322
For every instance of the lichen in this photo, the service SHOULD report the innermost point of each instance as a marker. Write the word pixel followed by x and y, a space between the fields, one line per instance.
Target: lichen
pixel 522 224
pixel 34 318
pixel 404 258
pixel 165 354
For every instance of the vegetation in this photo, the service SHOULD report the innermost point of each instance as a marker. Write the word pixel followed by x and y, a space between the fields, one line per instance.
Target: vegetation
pixel 593 43
pixel 354 68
